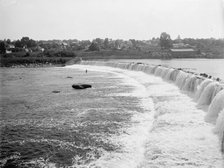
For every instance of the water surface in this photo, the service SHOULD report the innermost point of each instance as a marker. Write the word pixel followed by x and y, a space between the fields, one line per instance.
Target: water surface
pixel 214 67
pixel 127 119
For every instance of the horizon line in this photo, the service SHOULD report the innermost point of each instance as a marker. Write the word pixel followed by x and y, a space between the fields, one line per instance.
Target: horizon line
pixel 60 39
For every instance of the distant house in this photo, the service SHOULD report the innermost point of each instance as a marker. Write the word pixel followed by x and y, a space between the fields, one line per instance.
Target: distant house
pixel 180 45
pixel 8 51
pixel 11 46
pixel 183 52
pixel 40 49
pixel 75 45
pixel 64 45
pixel 26 49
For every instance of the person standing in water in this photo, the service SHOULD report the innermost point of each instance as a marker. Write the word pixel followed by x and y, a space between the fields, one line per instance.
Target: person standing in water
pixel 86 71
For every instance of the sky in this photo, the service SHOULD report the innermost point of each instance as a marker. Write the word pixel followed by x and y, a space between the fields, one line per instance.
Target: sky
pixel 116 19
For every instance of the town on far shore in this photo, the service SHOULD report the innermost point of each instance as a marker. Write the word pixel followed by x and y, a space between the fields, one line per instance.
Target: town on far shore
pixel 27 50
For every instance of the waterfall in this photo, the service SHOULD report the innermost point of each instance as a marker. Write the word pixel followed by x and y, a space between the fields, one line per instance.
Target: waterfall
pixel 219 128
pixel 190 84
pixel 168 74
pixel 207 95
pixel 206 91
pixel 216 106
pixel 165 70
pixel 201 88
pixel 147 69
pixel 154 69
pixel 181 78
pixel 173 75
pixel 217 90
pixel 158 71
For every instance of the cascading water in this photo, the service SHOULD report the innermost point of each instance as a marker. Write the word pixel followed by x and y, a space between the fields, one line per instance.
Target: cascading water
pixel 173 75
pixel 181 79
pixel 219 128
pixel 206 91
pixel 201 88
pixel 190 84
pixel 207 95
pixel 217 105
pixel 168 74
pixel 158 71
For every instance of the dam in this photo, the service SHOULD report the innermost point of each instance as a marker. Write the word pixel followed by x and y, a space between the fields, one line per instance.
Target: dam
pixel 208 93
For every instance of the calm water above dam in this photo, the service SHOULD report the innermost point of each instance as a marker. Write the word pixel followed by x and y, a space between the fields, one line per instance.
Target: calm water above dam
pixel 214 67
pixel 128 119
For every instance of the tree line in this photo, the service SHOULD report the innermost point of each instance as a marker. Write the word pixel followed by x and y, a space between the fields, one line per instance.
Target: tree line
pixel 210 47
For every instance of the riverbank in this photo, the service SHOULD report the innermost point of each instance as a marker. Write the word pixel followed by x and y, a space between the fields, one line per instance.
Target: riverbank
pixel 47 65
pixel 62 57
pixel 34 61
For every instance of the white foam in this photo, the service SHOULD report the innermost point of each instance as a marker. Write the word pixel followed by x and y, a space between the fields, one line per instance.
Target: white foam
pixel 201 88
pixel 190 84
pixel 135 136
pixel 181 78
pixel 207 94
pixel 219 127
pixel 179 136
pixel 216 106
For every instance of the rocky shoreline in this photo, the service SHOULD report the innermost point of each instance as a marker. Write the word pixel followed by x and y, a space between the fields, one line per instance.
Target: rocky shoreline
pixel 37 65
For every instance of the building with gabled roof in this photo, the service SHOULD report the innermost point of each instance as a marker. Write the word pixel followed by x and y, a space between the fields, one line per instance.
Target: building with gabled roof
pixel 183 52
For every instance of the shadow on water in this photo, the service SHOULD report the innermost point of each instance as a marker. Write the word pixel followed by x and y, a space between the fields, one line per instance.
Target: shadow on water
pixel 39 127
pixel 57 145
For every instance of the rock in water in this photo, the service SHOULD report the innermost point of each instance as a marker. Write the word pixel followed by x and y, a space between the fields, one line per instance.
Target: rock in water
pixel 81 86
pixel 56 91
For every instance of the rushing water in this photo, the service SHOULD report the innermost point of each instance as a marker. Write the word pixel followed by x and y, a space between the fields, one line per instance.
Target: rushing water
pixel 127 119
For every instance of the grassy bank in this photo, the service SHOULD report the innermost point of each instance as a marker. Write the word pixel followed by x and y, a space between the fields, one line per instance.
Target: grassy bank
pixel 115 54
pixel 62 57
pixel 118 54
pixel 36 58
pixel 7 62
pixel 134 54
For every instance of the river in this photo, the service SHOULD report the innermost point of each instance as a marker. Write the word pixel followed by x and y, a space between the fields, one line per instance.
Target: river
pixel 128 119
pixel 213 67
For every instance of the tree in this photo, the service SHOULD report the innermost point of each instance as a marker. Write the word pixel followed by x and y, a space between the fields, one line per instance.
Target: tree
pixel 134 43
pixel 31 43
pixel 2 47
pixel 99 42
pixel 84 43
pixel 117 44
pixel 94 47
pixel 26 41
pixel 8 41
pixel 106 43
pixel 165 41
pixel 18 44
